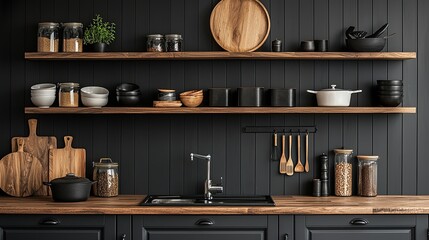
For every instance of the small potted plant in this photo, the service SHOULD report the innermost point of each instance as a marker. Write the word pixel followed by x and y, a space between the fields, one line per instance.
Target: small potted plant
pixel 99 34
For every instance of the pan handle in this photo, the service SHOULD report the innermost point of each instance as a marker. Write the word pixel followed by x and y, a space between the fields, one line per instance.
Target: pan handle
pixel 47 183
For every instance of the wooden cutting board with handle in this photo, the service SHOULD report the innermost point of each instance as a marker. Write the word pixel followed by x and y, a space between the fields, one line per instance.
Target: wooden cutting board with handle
pixel 20 173
pixel 39 147
pixel 240 25
pixel 67 160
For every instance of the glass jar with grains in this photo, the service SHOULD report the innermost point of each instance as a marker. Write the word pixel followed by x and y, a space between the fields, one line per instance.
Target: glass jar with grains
pixel 73 37
pixel 47 37
pixel 343 172
pixel 106 177
pixel 155 43
pixel 68 94
pixel 173 42
pixel 367 176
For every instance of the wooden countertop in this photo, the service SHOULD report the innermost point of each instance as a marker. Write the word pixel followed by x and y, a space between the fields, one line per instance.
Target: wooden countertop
pixel 128 204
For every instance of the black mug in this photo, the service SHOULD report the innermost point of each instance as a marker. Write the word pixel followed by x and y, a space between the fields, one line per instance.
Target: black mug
pixel 321 45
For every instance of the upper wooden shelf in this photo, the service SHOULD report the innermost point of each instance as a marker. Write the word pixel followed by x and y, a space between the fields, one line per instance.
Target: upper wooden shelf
pixel 222 55
pixel 221 110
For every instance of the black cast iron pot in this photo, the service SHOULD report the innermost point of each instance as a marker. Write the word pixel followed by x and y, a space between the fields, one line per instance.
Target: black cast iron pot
pixel 70 188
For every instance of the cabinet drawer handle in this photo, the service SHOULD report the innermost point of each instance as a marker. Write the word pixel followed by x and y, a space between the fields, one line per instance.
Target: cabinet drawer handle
pixel 50 222
pixel 359 221
pixel 204 222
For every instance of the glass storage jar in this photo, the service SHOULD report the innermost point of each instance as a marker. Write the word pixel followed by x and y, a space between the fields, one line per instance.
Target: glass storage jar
pixel 155 43
pixel 367 176
pixel 106 177
pixel 68 94
pixel 173 42
pixel 47 37
pixel 343 172
pixel 73 37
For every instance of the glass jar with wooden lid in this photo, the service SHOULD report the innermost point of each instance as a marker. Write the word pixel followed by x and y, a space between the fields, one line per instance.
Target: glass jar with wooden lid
pixel 343 172
pixel 68 94
pixel 73 37
pixel 47 37
pixel 367 176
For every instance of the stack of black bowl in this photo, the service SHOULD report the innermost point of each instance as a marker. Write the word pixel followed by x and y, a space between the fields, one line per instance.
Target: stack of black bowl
pixel 389 93
pixel 128 94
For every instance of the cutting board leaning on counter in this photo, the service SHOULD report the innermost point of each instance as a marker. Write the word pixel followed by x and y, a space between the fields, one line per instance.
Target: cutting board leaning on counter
pixel 36 159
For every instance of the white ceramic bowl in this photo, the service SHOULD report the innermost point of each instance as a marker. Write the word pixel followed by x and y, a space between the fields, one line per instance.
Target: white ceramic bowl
pixel 44 86
pixel 43 101
pixel 94 102
pixel 94 92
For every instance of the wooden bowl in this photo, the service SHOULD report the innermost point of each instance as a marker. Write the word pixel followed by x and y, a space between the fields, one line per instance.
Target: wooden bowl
pixel 192 93
pixel 192 101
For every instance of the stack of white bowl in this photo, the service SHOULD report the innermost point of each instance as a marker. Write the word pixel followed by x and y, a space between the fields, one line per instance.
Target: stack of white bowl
pixel 95 97
pixel 43 95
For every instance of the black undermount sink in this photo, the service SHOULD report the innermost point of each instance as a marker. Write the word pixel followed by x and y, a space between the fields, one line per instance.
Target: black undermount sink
pixel 154 200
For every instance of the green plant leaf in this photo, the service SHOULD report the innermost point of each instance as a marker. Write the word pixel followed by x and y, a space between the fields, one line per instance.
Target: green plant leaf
pixel 99 32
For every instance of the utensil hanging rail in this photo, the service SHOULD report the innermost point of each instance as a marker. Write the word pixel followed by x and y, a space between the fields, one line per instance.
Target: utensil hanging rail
pixel 280 129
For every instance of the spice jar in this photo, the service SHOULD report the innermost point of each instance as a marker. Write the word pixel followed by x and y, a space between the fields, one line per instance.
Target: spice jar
pixel 173 42
pixel 47 37
pixel 343 172
pixel 106 177
pixel 68 94
pixel 367 176
pixel 73 37
pixel 155 43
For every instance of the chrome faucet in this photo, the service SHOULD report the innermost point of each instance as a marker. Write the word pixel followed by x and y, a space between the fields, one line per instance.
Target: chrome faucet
pixel 209 188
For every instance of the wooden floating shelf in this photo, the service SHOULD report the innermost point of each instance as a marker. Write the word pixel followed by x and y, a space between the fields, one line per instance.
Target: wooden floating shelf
pixel 222 55
pixel 221 110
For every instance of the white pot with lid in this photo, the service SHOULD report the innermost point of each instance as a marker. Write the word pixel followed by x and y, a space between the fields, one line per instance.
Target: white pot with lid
pixel 333 97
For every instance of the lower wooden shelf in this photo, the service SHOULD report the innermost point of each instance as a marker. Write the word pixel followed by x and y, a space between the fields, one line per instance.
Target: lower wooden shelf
pixel 222 110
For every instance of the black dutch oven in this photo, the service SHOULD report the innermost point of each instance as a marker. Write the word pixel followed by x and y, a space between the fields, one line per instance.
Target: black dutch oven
pixel 70 188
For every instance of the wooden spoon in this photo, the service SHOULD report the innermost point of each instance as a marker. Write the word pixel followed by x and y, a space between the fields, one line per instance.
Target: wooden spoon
pixel 299 167
pixel 307 166
pixel 289 164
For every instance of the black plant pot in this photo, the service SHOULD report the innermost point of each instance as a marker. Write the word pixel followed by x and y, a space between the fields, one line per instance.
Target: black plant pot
pixel 99 47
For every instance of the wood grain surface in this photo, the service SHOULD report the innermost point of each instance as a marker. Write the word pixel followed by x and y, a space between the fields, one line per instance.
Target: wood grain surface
pixel 39 147
pixel 128 204
pixel 222 55
pixel 67 160
pixel 240 25
pixel 20 173
pixel 221 110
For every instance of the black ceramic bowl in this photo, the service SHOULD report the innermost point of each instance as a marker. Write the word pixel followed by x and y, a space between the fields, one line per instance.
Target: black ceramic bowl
pixel 366 44
pixel 127 87
pixel 389 88
pixel 390 93
pixel 390 82
pixel 389 101
pixel 129 101
pixel 132 93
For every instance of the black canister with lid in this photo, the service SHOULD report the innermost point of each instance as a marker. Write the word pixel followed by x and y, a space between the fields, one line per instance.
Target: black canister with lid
pixel 276 46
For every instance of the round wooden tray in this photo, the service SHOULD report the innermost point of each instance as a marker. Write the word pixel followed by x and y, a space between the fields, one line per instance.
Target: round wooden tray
pixel 240 25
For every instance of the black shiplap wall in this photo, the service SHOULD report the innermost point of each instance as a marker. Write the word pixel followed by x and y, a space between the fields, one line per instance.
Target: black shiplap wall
pixel 153 151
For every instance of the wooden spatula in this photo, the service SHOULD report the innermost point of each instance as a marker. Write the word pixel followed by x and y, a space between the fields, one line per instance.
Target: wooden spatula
pixel 299 167
pixel 283 157
pixel 289 164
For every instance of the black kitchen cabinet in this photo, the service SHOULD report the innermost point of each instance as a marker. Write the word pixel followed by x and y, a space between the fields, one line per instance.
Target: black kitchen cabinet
pixel 57 227
pixel 205 227
pixel 354 227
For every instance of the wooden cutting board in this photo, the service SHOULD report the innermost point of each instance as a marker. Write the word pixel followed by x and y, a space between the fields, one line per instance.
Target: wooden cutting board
pixel 39 147
pixel 240 25
pixel 67 160
pixel 20 173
